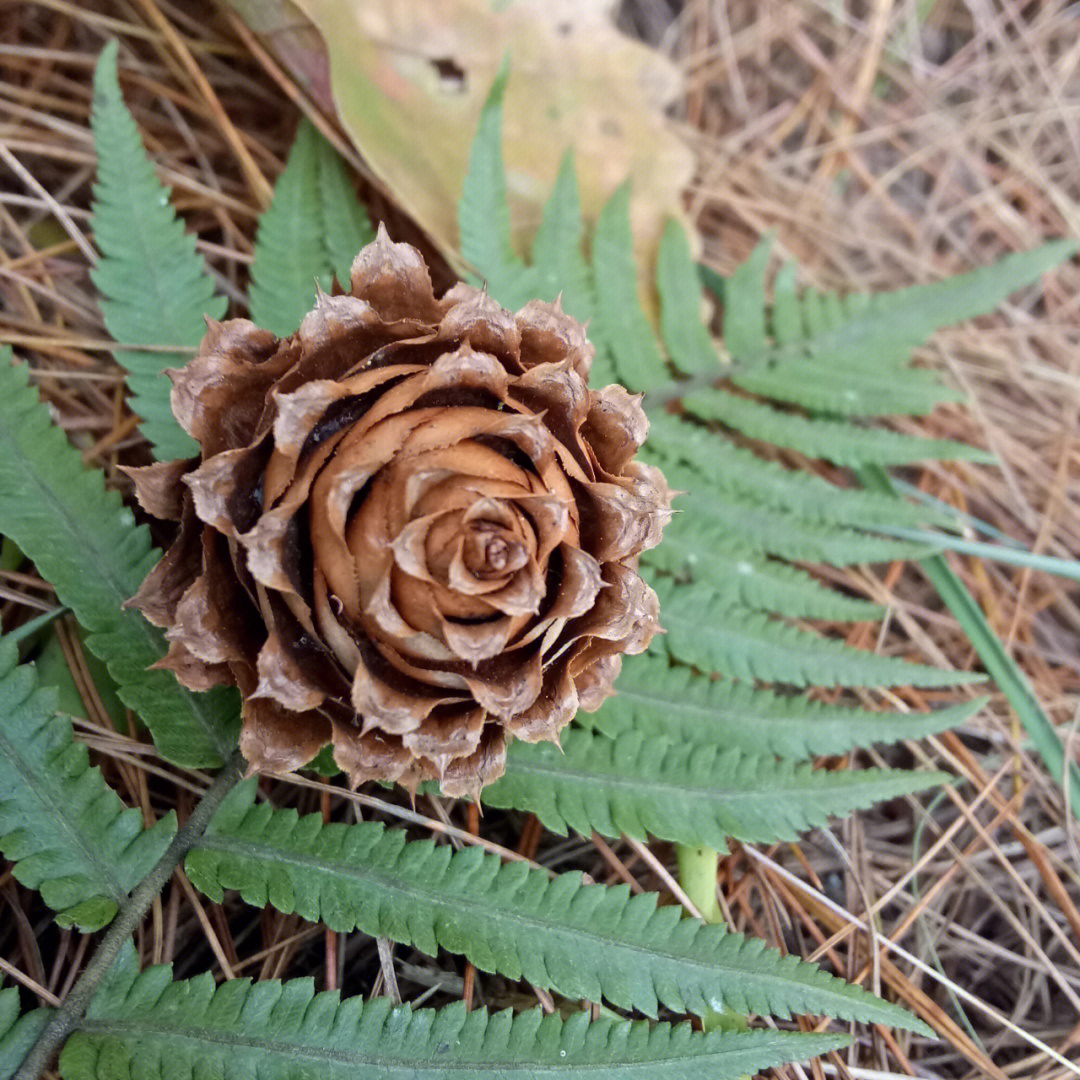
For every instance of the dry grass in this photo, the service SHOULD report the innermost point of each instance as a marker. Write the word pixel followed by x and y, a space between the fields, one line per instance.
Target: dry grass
pixel 884 144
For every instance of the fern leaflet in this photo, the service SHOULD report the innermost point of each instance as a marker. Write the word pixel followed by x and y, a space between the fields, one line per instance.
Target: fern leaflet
pixel 737 576
pixel 715 466
pixel 750 645
pixel 692 792
pixel 787 311
pixel 346 227
pixel 656 698
pixel 705 524
pixel 483 213
pixel 290 256
pixel 677 281
pixel 823 387
pixel 842 356
pixel 833 440
pixel 583 941
pixel 745 330
pixel 17 1033
pixel 154 286
pixel 883 329
pixel 149 1026
pixel 622 329
pixel 560 265
pixel 86 543
pixel 65 829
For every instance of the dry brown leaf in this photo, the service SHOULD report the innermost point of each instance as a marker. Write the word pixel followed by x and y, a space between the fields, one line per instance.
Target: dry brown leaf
pixel 408 79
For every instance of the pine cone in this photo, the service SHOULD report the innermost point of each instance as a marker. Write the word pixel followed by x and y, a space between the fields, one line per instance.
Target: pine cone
pixel 413 530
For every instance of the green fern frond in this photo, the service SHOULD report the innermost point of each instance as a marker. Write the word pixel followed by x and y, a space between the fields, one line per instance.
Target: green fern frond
pixel 87 545
pixel 17 1033
pixel 656 698
pixel 749 645
pixel 483 212
pixel 737 518
pixel 154 286
pixel 53 670
pixel 64 828
pixel 844 357
pixel 708 465
pixel 583 941
pixel 882 329
pixel 788 324
pixel 290 255
pixel 557 255
pixel 346 227
pixel 622 328
pixel 825 387
pixel 832 440
pixel 737 576
pixel 309 235
pixel 692 792
pixel 745 308
pixel 148 1026
pixel 677 281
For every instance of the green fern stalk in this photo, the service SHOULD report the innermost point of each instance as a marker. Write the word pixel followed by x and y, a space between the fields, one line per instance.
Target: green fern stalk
pixel 698 870
pixel 68 1015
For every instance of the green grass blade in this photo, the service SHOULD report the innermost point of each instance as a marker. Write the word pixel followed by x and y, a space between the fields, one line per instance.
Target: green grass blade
pixel 1003 669
pixel 1012 556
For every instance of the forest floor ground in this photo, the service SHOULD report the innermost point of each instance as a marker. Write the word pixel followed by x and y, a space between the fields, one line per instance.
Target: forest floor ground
pixel 883 143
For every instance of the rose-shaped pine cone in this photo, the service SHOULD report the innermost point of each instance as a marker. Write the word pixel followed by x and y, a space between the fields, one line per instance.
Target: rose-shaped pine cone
pixel 413 530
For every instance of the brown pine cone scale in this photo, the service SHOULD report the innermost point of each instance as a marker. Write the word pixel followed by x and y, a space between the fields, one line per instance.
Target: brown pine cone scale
pixel 412 531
